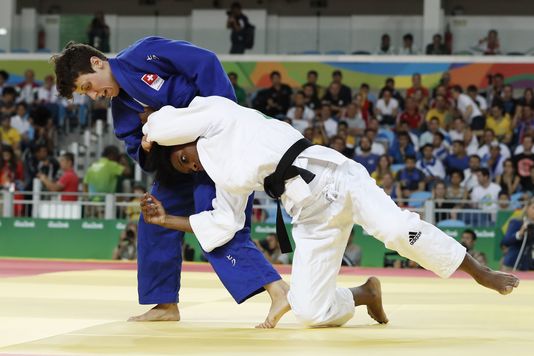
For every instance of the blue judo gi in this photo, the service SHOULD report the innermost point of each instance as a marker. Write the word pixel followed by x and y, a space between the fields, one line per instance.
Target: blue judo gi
pixel 156 72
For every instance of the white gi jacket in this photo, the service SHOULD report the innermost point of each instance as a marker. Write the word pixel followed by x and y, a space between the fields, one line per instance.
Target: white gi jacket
pixel 238 147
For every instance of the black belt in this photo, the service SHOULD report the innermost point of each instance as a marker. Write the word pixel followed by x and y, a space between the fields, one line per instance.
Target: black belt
pixel 274 185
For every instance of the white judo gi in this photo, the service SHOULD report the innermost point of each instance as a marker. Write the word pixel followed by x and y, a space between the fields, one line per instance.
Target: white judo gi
pixel 238 147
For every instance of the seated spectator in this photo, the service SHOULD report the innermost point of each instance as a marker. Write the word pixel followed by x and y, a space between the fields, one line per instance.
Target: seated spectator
pixel 271 249
pixel 524 161
pixel 458 159
pixel 102 175
pixel 391 187
pixel 471 141
pixel 353 116
pixel 479 100
pixel 508 101
pixel 390 84
pixel 312 78
pixel 441 205
pixel 490 44
pixel 318 134
pixel 469 110
pixel 345 94
pixel 508 180
pixel 240 93
pixel 430 166
pixel 437 47
pixel 527 99
pixel 408 47
pixel 416 84
pixel 258 214
pixel 28 87
pixel 338 143
pixel 385 47
pixel 299 100
pixel 353 253
pixel 297 119
pixel 326 119
pixel 365 92
pixel 527 185
pixel 11 170
pixel 275 100
pixel 524 146
pixel 36 162
pixel 519 231
pixel 334 97
pixel 387 108
pixel 455 190
pixel 47 95
pixel 78 109
pixel 468 240
pixel 67 183
pixel 371 132
pixel 411 178
pixel 21 123
pixel 126 250
pixel 7 104
pixel 504 201
pixel 524 126
pixel 499 123
pixel 494 161
pixel 486 194
pixel 310 100
pixel 495 88
pixel 383 167
pixel 428 136
pixel 487 140
pixel 457 130
pixel 401 148
pixel 471 179
pixel 403 126
pixel 365 104
pixel 421 101
pixel 9 135
pixel 440 111
pixel 364 156
pixel 349 141
pixel 411 115
pixel 441 146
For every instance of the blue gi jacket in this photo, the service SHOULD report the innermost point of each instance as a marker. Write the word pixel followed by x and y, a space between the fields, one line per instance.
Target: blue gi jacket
pixel 155 72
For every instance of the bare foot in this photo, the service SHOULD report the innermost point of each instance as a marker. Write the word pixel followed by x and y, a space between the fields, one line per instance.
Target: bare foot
pixel 370 294
pixel 502 282
pixel 161 312
pixel 279 304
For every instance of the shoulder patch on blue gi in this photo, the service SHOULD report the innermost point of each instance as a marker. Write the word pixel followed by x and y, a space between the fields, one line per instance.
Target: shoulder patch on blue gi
pixel 153 80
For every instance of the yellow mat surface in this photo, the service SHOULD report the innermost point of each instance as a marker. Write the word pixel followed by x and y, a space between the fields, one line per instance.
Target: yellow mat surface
pixel 84 313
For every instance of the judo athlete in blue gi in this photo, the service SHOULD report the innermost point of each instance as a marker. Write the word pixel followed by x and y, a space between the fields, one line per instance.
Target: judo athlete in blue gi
pixel 146 76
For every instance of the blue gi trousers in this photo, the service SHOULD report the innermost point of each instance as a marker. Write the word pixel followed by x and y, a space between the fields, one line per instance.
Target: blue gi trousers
pixel 241 267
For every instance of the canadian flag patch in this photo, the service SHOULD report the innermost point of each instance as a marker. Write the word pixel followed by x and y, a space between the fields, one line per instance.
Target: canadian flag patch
pixel 153 80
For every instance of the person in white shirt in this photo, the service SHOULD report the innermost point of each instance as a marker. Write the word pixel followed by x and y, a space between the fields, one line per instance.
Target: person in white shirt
pixel 486 194
pixel 478 99
pixel 21 121
pixel 325 193
pixel 408 48
pixel 468 108
pixel 326 119
pixel 385 47
pixel 430 165
pixel 489 139
pixel 470 174
pixel 387 108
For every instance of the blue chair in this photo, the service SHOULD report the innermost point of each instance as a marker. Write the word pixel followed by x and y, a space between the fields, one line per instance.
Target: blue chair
pixel 515 202
pixel 386 134
pixel 451 223
pixel 417 199
pixel 43 50
pixel 19 50
pixel 2 50
pixel 312 51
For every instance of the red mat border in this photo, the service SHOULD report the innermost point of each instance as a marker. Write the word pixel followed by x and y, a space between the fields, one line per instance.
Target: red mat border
pixel 15 267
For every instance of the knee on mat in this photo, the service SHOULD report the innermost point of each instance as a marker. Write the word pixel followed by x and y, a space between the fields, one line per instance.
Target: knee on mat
pixel 308 314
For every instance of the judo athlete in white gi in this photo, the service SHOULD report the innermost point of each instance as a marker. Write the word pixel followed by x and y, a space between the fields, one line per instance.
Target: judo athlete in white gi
pixel 239 147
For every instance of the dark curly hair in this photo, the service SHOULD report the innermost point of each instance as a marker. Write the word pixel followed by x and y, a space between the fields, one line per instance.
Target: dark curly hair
pixel 72 62
pixel 158 160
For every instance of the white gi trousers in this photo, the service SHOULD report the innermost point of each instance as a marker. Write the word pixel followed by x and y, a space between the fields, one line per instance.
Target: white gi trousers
pixel 344 195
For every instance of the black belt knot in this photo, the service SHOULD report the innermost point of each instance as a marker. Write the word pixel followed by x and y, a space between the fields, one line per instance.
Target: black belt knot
pixel 274 185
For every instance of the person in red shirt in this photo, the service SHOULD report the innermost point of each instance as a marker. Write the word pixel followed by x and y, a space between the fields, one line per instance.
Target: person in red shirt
pixel 67 183
pixel 416 84
pixel 411 115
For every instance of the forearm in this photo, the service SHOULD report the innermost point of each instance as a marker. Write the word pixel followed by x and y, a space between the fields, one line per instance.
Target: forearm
pixel 180 223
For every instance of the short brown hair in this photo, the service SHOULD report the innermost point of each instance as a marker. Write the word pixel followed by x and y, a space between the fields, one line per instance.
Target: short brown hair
pixel 73 61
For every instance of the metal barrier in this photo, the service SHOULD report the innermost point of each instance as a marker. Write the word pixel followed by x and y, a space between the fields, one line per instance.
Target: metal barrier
pixel 39 204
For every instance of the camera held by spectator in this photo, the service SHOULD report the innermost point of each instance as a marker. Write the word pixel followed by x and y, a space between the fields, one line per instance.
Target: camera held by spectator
pixel 127 247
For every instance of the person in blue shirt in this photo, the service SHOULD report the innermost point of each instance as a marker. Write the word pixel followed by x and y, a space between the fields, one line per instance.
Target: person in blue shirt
pixel 458 159
pixel 401 148
pixel 365 157
pixel 152 73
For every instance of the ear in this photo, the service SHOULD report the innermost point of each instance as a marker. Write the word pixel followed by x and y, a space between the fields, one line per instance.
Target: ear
pixel 96 62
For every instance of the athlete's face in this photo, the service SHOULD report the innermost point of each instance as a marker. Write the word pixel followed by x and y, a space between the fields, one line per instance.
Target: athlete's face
pixel 100 84
pixel 184 158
